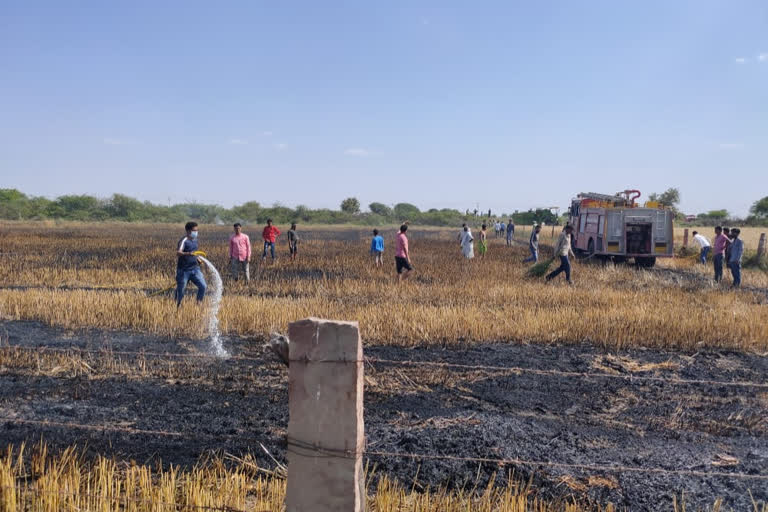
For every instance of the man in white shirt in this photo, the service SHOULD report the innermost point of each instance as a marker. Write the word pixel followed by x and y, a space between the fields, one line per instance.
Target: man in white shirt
pixel 705 246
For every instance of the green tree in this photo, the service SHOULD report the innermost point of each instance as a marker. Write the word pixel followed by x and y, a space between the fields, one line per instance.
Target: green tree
pixel 8 195
pixel 380 209
pixel 760 208
pixel 406 211
pixel 249 211
pixel 670 198
pixel 717 214
pixel 350 205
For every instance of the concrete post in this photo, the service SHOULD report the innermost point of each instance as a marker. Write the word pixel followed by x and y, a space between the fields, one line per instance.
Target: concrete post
pixel 326 436
pixel 761 247
pixel 685 238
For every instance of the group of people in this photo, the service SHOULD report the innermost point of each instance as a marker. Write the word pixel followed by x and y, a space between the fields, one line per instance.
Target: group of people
pixel 188 264
pixel 503 229
pixel 727 249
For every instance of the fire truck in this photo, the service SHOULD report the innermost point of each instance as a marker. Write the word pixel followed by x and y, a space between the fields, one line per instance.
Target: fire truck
pixel 616 227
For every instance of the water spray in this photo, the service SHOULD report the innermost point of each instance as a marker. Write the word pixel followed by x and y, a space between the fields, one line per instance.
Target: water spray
pixel 217 289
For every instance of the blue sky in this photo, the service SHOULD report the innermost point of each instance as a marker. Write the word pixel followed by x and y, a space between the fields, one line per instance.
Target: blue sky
pixel 442 104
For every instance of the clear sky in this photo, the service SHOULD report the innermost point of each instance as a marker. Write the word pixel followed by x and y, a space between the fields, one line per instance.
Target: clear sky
pixel 509 104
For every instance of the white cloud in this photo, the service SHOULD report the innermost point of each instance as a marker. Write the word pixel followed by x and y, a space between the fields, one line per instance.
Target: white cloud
pixel 238 142
pixel 281 146
pixel 114 141
pixel 357 152
pixel 730 146
pixel 740 60
pixel 267 133
pixel 763 57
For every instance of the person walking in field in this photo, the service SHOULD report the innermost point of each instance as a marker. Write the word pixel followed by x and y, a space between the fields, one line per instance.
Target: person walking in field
pixel 402 255
pixel 533 246
pixel 239 254
pixel 735 255
pixel 467 244
pixel 293 242
pixel 269 235
pixel 377 248
pixel 187 265
pixel 563 250
pixel 719 252
pixel 510 232
pixel 705 246
pixel 482 245
pixel 502 229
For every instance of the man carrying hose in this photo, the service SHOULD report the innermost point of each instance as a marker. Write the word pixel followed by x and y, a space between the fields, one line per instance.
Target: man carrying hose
pixel 187 266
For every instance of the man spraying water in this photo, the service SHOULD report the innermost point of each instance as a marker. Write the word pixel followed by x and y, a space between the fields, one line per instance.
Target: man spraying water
pixel 188 269
pixel 188 266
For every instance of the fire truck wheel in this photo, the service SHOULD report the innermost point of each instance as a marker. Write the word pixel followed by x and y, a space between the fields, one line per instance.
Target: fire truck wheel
pixel 646 262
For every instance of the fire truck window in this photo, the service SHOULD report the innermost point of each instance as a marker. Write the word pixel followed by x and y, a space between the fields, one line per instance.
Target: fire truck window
pixel 601 225
pixel 582 223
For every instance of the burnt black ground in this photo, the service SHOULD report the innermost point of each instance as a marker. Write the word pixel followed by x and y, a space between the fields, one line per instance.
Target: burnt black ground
pixel 231 405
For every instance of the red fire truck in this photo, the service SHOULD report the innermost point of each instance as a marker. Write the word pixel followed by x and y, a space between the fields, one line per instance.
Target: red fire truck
pixel 616 227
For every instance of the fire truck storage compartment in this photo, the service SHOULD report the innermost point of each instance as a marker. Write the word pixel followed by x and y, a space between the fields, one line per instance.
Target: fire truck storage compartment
pixel 639 238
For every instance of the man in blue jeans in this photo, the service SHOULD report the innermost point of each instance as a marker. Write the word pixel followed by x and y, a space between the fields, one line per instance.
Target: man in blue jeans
pixel 734 257
pixel 187 266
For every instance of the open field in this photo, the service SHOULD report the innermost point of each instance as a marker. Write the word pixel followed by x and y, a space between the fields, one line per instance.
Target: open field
pixel 87 276
pixel 630 388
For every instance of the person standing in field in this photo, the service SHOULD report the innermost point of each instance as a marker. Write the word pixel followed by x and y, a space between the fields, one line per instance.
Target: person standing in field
pixel 464 228
pixel 705 246
pixel 239 254
pixel 533 245
pixel 467 244
pixel 377 248
pixel 402 255
pixel 502 229
pixel 563 250
pixel 269 235
pixel 187 265
pixel 734 256
pixel 482 245
pixel 719 252
pixel 293 242
pixel 510 232
pixel 727 252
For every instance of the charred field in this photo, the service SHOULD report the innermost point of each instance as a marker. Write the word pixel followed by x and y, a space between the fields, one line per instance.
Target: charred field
pixel 632 388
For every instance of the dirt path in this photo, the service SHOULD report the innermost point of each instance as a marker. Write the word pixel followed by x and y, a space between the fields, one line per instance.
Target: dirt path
pixel 230 405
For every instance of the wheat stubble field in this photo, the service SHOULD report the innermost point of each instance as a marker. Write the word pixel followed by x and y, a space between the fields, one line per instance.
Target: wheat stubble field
pixel 629 368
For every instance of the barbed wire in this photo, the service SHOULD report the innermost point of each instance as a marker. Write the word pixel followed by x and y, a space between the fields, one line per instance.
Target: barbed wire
pixel 405 362
pixel 346 454
pixel 564 373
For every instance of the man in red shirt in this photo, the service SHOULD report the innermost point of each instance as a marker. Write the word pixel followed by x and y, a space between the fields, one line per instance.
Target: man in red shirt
pixel 269 235
pixel 239 253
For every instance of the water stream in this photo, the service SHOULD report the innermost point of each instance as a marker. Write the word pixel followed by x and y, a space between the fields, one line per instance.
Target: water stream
pixel 217 288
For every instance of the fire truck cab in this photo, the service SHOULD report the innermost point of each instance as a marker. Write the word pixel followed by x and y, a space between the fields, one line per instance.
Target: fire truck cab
pixel 616 227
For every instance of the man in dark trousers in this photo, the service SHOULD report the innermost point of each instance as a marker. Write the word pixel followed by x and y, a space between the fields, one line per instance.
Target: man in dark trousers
pixel 563 250
pixel 187 266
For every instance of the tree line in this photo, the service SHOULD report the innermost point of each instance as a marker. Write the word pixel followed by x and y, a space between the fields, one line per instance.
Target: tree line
pixel 15 205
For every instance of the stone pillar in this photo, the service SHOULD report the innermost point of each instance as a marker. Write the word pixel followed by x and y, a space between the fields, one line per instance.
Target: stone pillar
pixel 685 238
pixel 326 436
pixel 761 247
